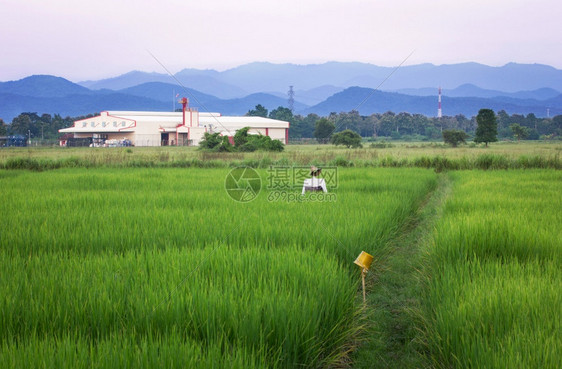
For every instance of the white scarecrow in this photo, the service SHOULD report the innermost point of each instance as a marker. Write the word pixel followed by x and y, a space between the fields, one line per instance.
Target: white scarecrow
pixel 314 184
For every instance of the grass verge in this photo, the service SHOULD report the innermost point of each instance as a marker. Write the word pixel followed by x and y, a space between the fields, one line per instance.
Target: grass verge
pixel 394 292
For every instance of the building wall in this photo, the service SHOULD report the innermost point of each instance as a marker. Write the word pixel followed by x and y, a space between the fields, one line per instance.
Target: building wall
pixel 110 136
pixel 82 135
pixel 147 139
pixel 149 132
pixel 258 131
pixel 277 134
pixel 192 118
pixel 196 135
pixel 103 122
pixel 121 136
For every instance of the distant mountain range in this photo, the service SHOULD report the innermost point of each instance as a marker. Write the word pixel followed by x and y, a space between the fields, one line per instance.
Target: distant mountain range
pixel 470 90
pixel 262 77
pixel 379 102
pixel 49 94
pixel 320 89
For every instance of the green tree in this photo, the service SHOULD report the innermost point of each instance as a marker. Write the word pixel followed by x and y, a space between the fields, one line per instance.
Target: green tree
pixel 3 128
pixel 387 124
pixel 259 111
pixel 282 113
pixel 556 125
pixel 503 119
pixel 347 138
pixel 323 130
pixel 303 127
pixel 520 132
pixel 59 122
pixel 531 121
pixel 22 124
pixel 487 129
pixel 404 124
pixel 44 125
pixel 374 121
pixel 350 120
pixel 454 136
pixel 241 136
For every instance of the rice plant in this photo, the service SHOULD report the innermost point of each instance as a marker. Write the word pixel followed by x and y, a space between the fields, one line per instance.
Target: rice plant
pixel 145 267
pixel 494 273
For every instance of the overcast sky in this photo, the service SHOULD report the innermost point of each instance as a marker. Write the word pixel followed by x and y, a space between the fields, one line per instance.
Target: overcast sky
pixel 95 39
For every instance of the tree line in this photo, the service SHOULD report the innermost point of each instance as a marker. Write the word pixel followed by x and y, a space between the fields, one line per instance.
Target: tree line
pixel 411 126
pixel 386 125
pixel 38 127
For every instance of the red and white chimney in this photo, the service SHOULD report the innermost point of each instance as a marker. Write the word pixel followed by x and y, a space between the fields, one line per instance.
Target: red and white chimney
pixel 184 102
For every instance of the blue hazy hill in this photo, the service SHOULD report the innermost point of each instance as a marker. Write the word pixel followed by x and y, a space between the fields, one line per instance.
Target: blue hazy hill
pixel 50 94
pixel 55 95
pixel 43 86
pixel 368 101
pixel 470 90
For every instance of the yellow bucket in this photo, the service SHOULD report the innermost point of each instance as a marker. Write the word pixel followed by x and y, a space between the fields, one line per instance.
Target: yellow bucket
pixel 364 260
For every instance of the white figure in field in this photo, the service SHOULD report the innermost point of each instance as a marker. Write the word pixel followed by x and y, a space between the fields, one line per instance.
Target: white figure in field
pixel 314 183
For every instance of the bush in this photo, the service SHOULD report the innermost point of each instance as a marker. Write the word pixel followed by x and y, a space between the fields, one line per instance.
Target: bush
pixel 422 162
pixel 241 137
pixel 340 161
pixel 248 147
pixel 454 136
pixel 225 145
pixel 491 161
pixel 243 142
pixel 276 145
pixel 347 138
pixel 210 140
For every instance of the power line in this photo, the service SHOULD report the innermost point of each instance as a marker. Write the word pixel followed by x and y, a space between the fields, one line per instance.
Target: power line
pixel 187 91
pixel 380 84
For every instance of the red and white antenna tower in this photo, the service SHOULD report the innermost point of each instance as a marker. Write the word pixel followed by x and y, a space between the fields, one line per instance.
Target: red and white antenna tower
pixel 439 112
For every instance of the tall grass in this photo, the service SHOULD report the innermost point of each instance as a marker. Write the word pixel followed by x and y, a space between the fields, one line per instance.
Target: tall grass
pixel 439 163
pixel 495 273
pixel 499 156
pixel 137 267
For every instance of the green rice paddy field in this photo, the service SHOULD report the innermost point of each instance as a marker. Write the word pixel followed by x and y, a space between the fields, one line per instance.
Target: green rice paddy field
pixel 159 267
pixel 494 273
